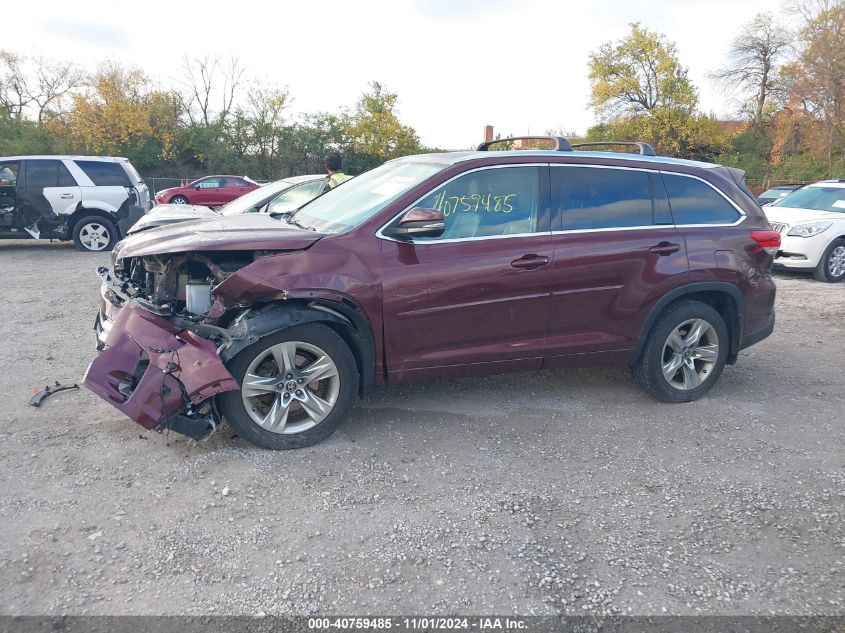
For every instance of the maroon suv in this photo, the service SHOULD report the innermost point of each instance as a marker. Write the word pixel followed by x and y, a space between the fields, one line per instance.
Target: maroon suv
pixel 454 264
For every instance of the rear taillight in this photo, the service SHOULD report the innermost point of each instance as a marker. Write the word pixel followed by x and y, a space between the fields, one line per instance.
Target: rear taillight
pixel 767 240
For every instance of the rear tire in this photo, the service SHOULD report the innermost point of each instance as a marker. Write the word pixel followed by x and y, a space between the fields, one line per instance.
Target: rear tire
pixel 831 266
pixel 304 380
pixel 178 200
pixel 94 234
pixel 685 352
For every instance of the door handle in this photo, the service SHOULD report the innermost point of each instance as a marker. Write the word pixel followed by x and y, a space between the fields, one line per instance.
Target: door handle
pixel 530 262
pixel 66 196
pixel 665 248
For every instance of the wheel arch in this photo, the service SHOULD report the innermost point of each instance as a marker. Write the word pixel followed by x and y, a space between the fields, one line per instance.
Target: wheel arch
pixel 81 212
pixel 344 318
pixel 724 297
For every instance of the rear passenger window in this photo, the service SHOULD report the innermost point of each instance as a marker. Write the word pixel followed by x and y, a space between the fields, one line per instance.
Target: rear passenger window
pixel 65 179
pixel 42 173
pixel 694 202
pixel 598 198
pixel 103 173
pixel 488 203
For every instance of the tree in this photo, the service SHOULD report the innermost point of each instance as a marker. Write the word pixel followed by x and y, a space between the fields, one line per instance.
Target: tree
pixel 121 115
pixel 209 81
pixel 642 92
pixel 266 107
pixel 374 132
pixel 639 74
pixel 813 117
pixel 753 64
pixel 14 94
pixel 40 84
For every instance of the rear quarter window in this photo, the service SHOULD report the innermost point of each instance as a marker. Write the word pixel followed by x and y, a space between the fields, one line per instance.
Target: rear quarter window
pixel 695 202
pixel 104 174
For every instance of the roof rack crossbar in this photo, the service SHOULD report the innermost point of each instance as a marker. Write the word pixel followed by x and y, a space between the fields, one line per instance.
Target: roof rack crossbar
pixel 561 144
pixel 645 148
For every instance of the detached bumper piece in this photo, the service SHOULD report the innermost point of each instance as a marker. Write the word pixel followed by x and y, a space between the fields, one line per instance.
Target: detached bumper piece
pixel 158 374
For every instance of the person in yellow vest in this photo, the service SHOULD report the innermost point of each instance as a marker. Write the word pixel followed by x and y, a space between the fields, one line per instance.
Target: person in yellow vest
pixel 334 165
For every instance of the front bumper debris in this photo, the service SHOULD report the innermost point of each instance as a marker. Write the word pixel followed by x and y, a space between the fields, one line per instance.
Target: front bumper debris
pixel 157 373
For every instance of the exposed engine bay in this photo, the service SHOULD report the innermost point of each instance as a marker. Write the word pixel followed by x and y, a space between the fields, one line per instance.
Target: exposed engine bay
pixel 175 284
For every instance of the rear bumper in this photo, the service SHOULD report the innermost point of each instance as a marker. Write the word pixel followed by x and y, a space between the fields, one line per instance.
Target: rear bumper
pixel 155 372
pixel 759 335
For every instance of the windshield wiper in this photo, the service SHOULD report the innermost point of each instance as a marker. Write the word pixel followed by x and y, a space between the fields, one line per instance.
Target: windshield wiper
pixel 288 218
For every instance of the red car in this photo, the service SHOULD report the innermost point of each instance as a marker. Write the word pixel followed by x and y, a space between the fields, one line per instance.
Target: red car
pixel 211 191
pixel 438 266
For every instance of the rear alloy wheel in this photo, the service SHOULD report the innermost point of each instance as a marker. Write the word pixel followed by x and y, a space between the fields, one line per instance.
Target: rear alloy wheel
pixel 178 200
pixel 297 386
pixel 831 267
pixel 94 234
pixel 685 352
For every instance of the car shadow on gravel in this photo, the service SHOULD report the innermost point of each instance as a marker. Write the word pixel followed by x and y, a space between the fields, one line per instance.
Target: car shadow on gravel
pixel 35 246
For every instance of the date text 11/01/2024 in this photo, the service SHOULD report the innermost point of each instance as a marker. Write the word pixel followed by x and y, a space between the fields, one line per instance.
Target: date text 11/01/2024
pixel 417 623
pixel 473 202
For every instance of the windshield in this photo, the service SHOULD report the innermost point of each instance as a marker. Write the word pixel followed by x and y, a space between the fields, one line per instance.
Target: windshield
pixel 254 198
pixel 816 198
pixel 777 192
pixel 357 200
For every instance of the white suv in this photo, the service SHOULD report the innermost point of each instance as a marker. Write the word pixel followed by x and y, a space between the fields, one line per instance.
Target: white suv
pixel 92 200
pixel 811 221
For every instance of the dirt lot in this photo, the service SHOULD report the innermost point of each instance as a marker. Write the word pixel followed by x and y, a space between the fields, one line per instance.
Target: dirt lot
pixel 560 492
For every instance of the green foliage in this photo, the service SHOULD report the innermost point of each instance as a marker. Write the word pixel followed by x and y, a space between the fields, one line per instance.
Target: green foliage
pixel 20 136
pixel 373 132
pixel 640 74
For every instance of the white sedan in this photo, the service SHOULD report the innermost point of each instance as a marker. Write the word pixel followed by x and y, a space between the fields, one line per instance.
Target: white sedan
pixel 812 225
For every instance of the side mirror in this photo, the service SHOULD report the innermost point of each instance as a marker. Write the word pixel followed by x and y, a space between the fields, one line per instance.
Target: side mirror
pixel 420 222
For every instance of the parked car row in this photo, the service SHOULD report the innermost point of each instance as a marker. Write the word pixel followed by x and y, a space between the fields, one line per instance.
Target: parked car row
pixel 812 223
pixel 96 200
pixel 437 265
pixel 281 196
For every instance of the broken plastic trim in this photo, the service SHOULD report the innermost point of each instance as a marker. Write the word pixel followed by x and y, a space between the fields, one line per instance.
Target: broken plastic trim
pixel 48 391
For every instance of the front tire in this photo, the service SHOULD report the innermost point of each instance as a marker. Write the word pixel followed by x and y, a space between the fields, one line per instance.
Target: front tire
pixel 178 200
pixel 297 386
pixel 831 267
pixel 684 354
pixel 94 234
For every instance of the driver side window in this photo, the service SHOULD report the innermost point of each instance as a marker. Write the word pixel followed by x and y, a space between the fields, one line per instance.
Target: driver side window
pixel 488 203
pixel 209 183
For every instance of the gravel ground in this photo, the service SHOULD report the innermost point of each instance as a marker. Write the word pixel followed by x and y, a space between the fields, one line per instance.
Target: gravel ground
pixel 561 492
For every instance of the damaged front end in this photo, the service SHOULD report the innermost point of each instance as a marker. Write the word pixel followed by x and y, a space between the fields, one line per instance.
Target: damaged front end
pixel 159 374
pixel 164 313
pixel 159 359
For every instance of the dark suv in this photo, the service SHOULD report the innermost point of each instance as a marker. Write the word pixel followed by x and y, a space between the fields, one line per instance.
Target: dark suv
pixel 453 264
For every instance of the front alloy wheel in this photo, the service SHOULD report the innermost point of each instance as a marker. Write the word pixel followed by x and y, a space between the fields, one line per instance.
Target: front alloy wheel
pixel 297 386
pixel 831 268
pixel 290 387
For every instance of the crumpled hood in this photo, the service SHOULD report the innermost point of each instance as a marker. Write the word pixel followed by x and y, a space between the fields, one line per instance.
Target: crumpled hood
pixel 792 216
pixel 251 232
pixel 163 214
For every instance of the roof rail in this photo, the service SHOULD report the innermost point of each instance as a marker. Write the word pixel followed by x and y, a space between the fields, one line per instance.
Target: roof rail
pixel 561 144
pixel 645 148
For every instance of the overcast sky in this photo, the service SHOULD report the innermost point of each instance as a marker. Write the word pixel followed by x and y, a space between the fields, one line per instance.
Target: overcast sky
pixel 520 65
